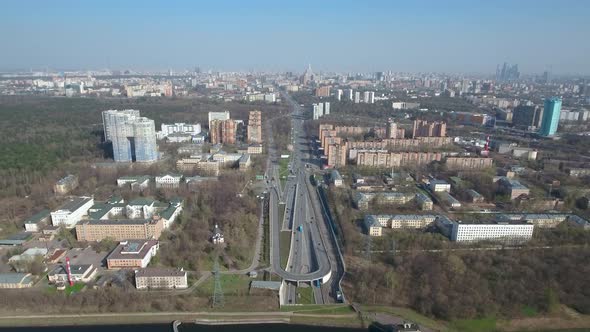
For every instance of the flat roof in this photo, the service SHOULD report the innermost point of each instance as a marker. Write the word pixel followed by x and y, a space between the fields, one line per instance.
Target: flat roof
pixel 132 249
pixel 160 272
pixel 118 222
pixel 37 217
pixel 74 204
pixel 15 278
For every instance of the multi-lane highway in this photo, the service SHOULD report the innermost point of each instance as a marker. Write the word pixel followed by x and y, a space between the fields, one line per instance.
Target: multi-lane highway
pixel 314 258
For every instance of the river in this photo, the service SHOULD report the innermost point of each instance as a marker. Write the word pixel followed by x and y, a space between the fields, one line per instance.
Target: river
pixel 184 328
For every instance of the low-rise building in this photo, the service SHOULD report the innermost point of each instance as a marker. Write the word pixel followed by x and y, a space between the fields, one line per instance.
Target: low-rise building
pixel 217 237
pixel 449 200
pixel 168 181
pixel 244 162
pixel 336 178
pixel 15 280
pixel 474 196
pixel 120 230
pixel 255 149
pixel 71 211
pixel 362 199
pixel 80 273
pixel 468 163
pixel 66 184
pixel 160 278
pixel 372 226
pixel 424 202
pixel 136 183
pixel 513 187
pixel 132 254
pixel 37 221
pixel 402 220
pixel 439 186
pixel 503 232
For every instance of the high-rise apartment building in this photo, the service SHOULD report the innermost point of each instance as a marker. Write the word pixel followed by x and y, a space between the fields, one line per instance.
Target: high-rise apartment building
pixel 369 97
pixel 551 113
pixel 223 131
pixel 217 116
pixel 424 129
pixel 322 91
pixel 255 127
pixel 339 94
pixel 357 97
pixel 348 94
pixel 133 137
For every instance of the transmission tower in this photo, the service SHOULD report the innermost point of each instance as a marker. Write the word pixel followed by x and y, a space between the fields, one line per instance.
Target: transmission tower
pixel 218 300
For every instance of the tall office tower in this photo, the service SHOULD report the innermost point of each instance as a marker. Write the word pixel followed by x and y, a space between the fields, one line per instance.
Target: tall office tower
pixel 223 131
pixel 255 127
pixel 527 117
pixel 326 108
pixel 133 136
pixel 424 129
pixel 217 116
pixel 339 94
pixel 357 97
pixel 551 113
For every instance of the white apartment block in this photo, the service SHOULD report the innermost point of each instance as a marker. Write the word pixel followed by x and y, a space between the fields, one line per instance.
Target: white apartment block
pixel 168 181
pixel 181 127
pixel 71 212
pixel 503 232
pixel 159 278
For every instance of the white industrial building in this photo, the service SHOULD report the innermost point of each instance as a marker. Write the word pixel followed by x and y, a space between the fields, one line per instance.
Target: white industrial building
pixel 71 212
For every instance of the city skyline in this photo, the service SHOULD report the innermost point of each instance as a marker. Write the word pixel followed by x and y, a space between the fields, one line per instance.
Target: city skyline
pixel 423 36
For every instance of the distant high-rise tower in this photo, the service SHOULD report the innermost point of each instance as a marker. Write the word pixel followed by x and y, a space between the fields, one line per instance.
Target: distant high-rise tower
pixel 551 113
pixel 339 94
pixel 308 76
pixel 255 127
pixel 133 137
pixel 391 129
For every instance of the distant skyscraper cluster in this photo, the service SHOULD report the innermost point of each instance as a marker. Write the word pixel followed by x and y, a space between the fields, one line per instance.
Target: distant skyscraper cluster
pixel 133 137
pixel 507 72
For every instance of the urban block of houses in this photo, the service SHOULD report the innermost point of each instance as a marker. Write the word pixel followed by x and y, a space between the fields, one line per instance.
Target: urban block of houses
pixel 37 221
pixel 132 254
pixel 161 278
pixel 71 212
pixel 66 184
pixel 136 183
pixel 15 280
pixel 80 273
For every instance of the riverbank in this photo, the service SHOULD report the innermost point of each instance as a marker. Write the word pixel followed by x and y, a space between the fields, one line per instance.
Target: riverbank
pixel 208 318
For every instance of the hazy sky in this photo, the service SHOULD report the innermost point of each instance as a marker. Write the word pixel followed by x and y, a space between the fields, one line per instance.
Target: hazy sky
pixel 404 35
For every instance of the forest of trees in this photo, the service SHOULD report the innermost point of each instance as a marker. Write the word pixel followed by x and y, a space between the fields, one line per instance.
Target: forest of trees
pixel 475 284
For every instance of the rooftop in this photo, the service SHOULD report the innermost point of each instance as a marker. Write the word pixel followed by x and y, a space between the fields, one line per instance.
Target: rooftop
pixel 37 217
pixel 136 249
pixel 74 204
pixel 159 272
pixel 15 278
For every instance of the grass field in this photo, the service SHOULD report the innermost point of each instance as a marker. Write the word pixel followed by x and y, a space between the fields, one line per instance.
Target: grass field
pixel 283 170
pixel 305 295
pixel 285 247
pixel 231 284
pixel 474 325
pixel 319 309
